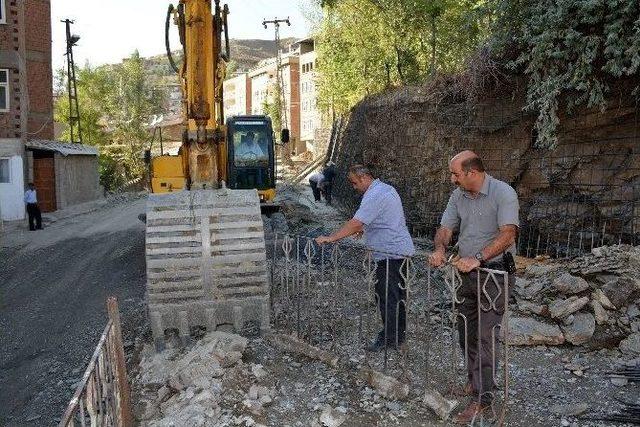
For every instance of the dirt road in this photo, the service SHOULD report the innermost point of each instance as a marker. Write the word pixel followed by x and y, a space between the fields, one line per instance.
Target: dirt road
pixel 53 287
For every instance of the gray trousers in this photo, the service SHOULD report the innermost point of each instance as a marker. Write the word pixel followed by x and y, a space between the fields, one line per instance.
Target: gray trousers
pixel 480 350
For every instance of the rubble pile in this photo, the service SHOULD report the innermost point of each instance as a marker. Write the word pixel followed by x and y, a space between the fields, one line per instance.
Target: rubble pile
pixel 592 300
pixel 194 386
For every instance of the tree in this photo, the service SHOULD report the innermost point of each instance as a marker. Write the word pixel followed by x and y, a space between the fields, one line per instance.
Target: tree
pixel 272 106
pixel 365 46
pixel 569 49
pixel 116 104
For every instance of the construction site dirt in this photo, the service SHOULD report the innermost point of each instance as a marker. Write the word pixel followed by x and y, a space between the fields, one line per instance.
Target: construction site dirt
pixel 55 283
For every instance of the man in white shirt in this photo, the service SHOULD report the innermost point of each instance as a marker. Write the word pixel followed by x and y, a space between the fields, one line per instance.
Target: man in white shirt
pixel 315 180
pixel 31 201
pixel 249 149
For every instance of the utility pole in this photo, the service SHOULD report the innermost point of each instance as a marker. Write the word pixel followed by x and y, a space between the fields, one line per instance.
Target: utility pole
pixel 74 110
pixel 283 101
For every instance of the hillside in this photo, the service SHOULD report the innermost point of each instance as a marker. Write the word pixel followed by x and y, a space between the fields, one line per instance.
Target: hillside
pixel 245 54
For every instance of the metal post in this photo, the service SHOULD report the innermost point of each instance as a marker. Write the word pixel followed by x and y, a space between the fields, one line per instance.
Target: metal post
pixel 121 368
pixel 74 110
pixel 283 101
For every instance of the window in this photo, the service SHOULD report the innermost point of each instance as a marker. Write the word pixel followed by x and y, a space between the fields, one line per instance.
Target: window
pixel 3 17
pixel 4 89
pixel 5 172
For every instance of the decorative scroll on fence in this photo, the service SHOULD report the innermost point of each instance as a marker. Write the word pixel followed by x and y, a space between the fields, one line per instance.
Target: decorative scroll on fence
pixel 326 296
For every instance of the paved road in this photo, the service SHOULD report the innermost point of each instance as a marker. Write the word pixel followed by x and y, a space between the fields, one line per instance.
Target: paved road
pixel 53 287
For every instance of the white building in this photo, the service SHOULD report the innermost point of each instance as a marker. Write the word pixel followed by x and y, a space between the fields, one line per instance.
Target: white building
pixel 237 95
pixel 11 179
pixel 310 118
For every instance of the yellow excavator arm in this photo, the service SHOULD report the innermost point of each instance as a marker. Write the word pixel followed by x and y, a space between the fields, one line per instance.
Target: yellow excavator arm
pixel 203 153
pixel 205 245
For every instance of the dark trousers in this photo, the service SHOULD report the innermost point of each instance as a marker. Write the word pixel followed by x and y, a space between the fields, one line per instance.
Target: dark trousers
pixel 326 189
pixel 391 295
pixel 34 214
pixel 481 350
pixel 315 189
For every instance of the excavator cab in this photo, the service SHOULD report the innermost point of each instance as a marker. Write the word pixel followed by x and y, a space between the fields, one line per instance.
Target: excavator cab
pixel 251 155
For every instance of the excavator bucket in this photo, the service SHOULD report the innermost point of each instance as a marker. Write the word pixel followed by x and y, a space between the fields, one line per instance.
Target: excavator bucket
pixel 206 262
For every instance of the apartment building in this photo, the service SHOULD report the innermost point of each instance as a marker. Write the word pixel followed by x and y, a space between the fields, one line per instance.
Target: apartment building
pixel 263 89
pixel 26 102
pixel 299 62
pixel 310 118
pixel 64 174
pixel 237 95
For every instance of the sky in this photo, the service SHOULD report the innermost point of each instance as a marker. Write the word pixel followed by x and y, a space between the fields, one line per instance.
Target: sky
pixel 111 30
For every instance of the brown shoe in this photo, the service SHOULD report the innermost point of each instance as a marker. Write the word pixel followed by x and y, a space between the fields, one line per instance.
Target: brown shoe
pixel 462 391
pixel 470 413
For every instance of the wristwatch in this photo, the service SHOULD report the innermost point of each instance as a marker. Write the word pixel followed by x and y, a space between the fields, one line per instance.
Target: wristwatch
pixel 479 257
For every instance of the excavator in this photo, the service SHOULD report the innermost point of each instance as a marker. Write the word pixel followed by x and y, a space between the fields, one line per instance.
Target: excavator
pixel 205 243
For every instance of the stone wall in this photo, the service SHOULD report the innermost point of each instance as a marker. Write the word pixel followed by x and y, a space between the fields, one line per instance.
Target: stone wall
pixel 584 192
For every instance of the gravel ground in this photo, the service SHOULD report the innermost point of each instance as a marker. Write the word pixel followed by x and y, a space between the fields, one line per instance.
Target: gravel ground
pixel 54 284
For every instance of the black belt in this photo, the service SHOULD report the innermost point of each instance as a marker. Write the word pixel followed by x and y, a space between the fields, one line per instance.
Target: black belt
pixel 494 266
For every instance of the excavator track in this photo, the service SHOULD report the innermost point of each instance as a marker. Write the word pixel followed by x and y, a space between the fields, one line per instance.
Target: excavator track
pixel 206 262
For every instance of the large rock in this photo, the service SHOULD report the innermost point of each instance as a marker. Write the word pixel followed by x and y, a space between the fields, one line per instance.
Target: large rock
pixel 385 385
pixel 581 329
pixel 562 308
pixel 525 306
pixel 622 291
pixel 602 299
pixel 221 342
pixel 536 270
pixel 571 410
pixel 332 417
pixel 198 372
pixel 527 331
pixel 528 289
pixel 190 409
pixel 599 313
pixel 569 285
pixel 631 345
pixel 439 405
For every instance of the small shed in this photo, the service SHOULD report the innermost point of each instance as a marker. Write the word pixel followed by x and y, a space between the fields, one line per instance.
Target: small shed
pixel 64 174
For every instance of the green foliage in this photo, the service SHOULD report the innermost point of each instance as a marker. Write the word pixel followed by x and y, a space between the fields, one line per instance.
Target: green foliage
pixel 116 104
pixel 569 49
pixel 232 68
pixel 365 46
pixel 272 107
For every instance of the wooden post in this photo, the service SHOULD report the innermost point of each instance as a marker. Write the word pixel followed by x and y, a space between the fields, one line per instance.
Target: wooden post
pixel 123 383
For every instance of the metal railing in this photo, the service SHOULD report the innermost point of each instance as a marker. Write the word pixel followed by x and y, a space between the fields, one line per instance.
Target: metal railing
pixel 326 295
pixel 102 398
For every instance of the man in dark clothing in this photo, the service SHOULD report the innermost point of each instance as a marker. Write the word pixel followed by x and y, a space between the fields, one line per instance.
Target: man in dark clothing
pixel 31 201
pixel 329 173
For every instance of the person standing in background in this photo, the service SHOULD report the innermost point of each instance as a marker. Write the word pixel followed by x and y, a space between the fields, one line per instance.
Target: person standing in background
pixel 33 211
pixel 315 181
pixel 329 172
